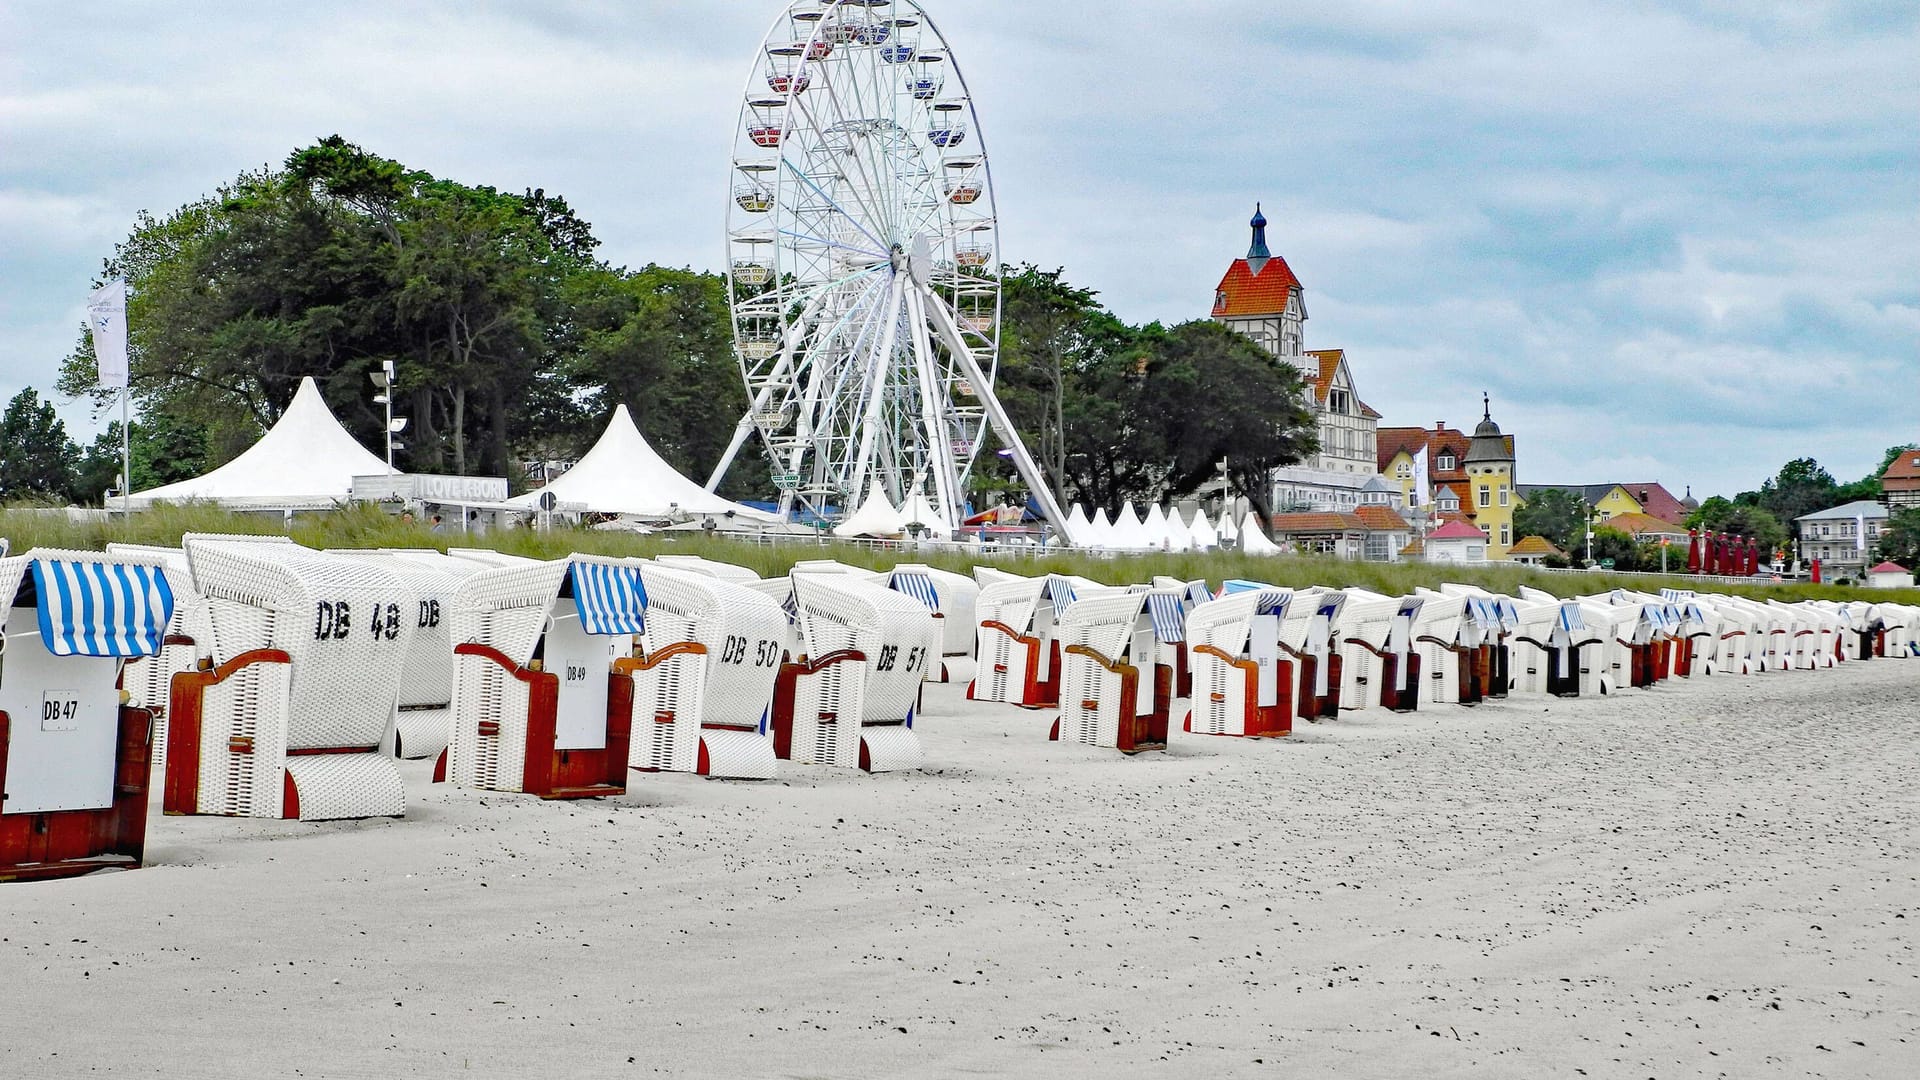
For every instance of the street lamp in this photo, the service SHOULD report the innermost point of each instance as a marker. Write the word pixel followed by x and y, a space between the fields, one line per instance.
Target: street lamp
pixel 383 381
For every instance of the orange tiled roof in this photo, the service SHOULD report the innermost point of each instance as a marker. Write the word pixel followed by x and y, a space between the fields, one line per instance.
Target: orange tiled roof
pixel 1534 545
pixel 1904 467
pixel 1315 522
pixel 1381 519
pixel 1644 525
pixel 1391 442
pixel 1416 547
pixel 1329 367
pixel 1240 293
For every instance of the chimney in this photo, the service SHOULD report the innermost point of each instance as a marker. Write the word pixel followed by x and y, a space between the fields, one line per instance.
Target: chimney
pixel 1439 425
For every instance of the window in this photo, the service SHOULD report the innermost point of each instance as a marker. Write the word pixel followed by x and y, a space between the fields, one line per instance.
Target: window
pixel 1337 401
pixel 1486 495
pixel 1444 463
pixel 1506 535
pixel 1487 531
pixel 1449 504
pixel 1220 300
pixel 1405 471
pixel 1504 496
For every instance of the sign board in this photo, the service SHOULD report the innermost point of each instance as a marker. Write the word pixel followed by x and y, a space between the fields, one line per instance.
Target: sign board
pixel 421 487
pixel 1264 647
pixel 1606 564
pixel 583 663
pixel 548 501
pixel 63 741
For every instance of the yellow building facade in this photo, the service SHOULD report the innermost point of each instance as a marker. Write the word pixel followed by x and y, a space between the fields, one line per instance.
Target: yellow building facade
pixel 1491 496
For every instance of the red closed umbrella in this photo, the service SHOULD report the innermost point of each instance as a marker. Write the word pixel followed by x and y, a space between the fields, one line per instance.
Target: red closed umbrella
pixel 1693 551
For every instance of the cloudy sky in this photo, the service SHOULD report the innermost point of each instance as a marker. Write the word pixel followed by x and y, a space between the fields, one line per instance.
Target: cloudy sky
pixel 1675 241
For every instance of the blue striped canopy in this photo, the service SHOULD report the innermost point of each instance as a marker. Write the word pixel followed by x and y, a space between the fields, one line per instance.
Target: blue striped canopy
pixel 1169 617
pixel 1274 602
pixel 917 584
pixel 1060 591
pixel 102 608
pixel 1570 618
pixel 612 599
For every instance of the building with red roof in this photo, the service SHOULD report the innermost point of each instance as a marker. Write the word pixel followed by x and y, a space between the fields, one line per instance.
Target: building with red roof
pixel 1900 484
pixel 1262 298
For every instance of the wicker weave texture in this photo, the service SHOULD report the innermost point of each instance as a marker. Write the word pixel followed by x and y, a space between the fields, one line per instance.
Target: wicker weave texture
pixel 897 635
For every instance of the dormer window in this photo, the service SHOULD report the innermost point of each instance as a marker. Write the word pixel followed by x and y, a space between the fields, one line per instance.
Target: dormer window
pixel 1444 463
pixel 1338 402
pixel 1220 300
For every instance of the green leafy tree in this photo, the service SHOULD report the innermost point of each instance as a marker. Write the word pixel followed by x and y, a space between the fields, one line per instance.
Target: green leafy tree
pixel 1900 538
pixel 1053 335
pixel 36 457
pixel 1558 515
pixel 165 449
pixel 1801 487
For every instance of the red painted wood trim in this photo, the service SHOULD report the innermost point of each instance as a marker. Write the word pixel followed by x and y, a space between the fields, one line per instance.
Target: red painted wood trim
pixel 186 699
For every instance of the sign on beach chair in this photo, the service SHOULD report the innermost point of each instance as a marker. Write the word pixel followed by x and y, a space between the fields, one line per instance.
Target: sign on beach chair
pixel 74 765
pixel 287 714
pixel 703 684
pixel 1242 677
pixel 542 701
pixel 953 599
pixel 149 680
pixel 423 716
pixel 1114 692
pixel 851 698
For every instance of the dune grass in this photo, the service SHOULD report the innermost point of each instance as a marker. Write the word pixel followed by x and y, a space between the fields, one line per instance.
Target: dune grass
pixel 367 526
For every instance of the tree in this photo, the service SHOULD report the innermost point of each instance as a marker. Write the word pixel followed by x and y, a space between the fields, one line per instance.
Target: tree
pixel 1052 335
pixel 1558 515
pixel 1900 538
pixel 1868 487
pixel 165 449
pixel 36 456
pixel 1721 515
pixel 1801 487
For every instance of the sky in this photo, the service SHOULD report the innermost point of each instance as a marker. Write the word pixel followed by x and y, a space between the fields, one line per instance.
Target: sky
pixel 1676 242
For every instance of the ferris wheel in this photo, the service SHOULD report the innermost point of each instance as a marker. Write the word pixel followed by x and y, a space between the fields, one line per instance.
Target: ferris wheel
pixel 864 276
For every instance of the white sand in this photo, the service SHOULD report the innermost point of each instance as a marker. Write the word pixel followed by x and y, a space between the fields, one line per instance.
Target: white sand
pixel 1715 878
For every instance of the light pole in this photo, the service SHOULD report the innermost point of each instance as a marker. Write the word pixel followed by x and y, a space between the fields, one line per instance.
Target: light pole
pixel 1592 513
pixel 383 381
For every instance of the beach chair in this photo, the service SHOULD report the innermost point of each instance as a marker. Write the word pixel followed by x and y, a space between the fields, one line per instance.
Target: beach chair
pixel 423 718
pixel 487 557
pixel 953 599
pixel 1173 650
pixel 1379 666
pixel 1019 661
pixel 1307 639
pixel 149 680
pixel 1609 665
pixel 1547 641
pixel 74 768
pixel 1243 680
pixel 1739 647
pixel 542 698
pixel 286 716
pixel 851 697
pixel 739 575
pixel 1114 692
pixel 1448 650
pixel 1900 638
pixel 703 684
pixel 1810 636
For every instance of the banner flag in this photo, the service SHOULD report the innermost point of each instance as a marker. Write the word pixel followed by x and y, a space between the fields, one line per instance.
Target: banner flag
pixel 107 320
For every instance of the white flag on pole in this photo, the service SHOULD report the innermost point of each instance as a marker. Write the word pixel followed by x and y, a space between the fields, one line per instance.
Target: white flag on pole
pixel 1421 491
pixel 1860 532
pixel 107 319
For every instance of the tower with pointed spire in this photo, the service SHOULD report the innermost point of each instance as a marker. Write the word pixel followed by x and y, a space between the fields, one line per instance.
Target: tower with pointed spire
pixel 1261 298
pixel 1488 464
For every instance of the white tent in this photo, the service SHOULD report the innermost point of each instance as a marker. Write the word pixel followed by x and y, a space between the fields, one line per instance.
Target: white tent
pixel 1253 540
pixel 917 508
pixel 1201 532
pixel 876 516
pixel 622 474
pixel 1079 529
pixel 1227 533
pixel 1163 534
pixel 1129 532
pixel 1099 533
pixel 306 462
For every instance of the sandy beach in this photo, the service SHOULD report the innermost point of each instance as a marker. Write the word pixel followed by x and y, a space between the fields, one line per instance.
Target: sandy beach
pixel 1712 878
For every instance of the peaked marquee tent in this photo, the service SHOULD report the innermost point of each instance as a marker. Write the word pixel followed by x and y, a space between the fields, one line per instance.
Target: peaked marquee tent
pixel 306 462
pixel 623 474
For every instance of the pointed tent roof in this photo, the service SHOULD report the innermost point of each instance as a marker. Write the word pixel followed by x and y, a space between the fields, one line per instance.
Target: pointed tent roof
pixel 1129 532
pixel 1202 533
pixel 918 508
pixel 1079 529
pixel 1227 530
pixel 876 516
pixel 307 461
pixel 623 474
pixel 1252 540
pixel 1099 531
pixel 1160 532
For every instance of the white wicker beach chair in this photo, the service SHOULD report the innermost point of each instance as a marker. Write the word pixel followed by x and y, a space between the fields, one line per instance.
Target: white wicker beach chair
pixel 1365 623
pixel 953 599
pixel 1307 640
pixel 1546 646
pixel 1386 638
pixel 851 699
pixel 74 756
pixel 423 719
pixel 1901 637
pixel 703 686
pixel 1608 666
pixel 1007 657
pixel 149 680
pixel 1446 660
pixel 738 575
pixel 1242 677
pixel 1741 648
pixel 542 699
pixel 305 659
pixel 1113 691
pixel 487 557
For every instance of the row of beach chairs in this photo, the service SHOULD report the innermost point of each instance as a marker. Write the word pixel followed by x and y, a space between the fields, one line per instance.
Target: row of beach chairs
pixel 254 677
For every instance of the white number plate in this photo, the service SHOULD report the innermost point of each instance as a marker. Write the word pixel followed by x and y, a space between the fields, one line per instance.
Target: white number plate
pixel 60 711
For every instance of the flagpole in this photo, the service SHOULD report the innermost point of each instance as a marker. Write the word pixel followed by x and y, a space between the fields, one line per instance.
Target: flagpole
pixel 126 453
